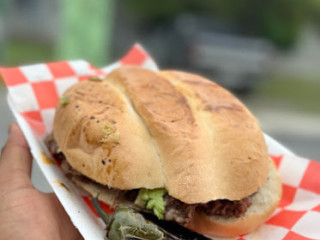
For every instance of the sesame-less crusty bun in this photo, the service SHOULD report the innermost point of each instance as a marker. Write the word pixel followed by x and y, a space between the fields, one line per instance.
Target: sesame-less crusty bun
pixel 138 128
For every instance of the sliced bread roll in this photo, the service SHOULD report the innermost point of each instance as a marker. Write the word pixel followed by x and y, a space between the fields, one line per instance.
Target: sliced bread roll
pixel 144 129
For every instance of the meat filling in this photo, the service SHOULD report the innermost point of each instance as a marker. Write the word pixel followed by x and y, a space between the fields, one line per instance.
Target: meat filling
pixel 225 208
pixel 175 209
pixel 178 211
pixel 182 212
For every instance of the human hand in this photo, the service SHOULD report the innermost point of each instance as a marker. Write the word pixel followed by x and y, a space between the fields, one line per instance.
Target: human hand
pixel 26 213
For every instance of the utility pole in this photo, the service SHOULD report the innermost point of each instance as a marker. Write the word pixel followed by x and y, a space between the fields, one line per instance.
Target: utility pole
pixel 85 30
pixel 2 35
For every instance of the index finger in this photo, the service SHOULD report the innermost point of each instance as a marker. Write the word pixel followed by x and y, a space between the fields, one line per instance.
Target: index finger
pixel 15 155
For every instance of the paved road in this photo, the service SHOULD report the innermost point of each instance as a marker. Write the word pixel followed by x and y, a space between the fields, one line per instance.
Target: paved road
pixel 305 146
pixel 299 132
pixel 6 116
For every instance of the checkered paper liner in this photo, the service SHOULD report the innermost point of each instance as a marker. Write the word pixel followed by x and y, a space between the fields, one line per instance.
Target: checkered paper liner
pixel 33 93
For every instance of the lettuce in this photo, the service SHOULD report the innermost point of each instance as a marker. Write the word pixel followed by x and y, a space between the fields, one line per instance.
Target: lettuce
pixel 152 199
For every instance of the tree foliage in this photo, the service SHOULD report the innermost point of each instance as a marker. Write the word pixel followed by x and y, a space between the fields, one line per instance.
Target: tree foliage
pixel 277 20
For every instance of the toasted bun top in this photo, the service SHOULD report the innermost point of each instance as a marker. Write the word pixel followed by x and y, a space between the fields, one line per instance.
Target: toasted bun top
pixel 139 128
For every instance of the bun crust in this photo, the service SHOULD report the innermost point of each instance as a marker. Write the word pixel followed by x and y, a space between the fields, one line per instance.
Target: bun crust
pixel 139 128
pixel 264 203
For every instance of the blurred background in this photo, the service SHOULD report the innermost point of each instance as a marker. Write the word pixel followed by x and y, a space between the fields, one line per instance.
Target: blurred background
pixel 266 52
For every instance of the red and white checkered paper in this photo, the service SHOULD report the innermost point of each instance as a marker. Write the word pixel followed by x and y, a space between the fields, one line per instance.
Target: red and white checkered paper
pixel 33 93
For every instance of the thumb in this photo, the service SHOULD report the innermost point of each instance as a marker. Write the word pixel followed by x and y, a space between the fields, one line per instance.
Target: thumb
pixel 15 160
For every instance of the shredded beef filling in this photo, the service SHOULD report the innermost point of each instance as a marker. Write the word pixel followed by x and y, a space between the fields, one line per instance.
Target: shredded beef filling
pixel 182 212
pixel 175 209
pixel 178 211
pixel 225 208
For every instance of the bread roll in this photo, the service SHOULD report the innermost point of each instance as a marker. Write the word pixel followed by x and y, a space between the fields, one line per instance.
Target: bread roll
pixel 138 128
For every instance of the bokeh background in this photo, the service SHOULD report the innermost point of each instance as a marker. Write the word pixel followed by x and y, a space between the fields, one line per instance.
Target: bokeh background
pixel 266 52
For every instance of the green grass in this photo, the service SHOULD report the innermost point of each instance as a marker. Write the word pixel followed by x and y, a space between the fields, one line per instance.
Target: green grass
pixel 303 94
pixel 18 52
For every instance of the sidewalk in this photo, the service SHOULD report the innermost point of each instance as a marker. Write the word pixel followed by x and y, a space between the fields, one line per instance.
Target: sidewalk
pixel 275 120
pixel 299 131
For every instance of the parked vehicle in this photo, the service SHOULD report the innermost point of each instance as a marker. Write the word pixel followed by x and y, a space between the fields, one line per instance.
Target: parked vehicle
pixel 214 49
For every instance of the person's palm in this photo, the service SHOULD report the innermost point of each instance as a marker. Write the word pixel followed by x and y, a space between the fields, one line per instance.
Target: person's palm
pixel 26 213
